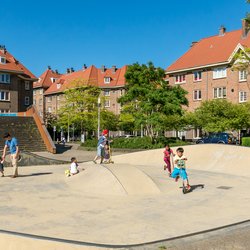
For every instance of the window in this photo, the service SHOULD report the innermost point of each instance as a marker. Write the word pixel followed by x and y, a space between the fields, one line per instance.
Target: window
pixel 5 78
pixel 58 98
pixel 40 101
pixel 107 104
pixel 4 96
pixel 26 100
pixel 106 93
pixel 121 92
pixel 41 91
pixel 242 75
pixel 180 78
pixel 49 109
pixel 220 92
pixel 197 76
pixel 34 101
pixel 197 95
pixel 242 96
pixel 107 79
pixel 2 60
pixel 219 73
pixel 49 98
pixel 53 79
pixel 27 85
pixel 4 111
pixel 34 92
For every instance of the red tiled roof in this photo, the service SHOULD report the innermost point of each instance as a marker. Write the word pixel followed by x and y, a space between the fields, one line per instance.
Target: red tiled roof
pixel 45 79
pixel 92 76
pixel 13 65
pixel 209 51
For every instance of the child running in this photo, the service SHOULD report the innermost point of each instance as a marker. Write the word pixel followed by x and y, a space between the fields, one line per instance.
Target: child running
pixel 168 154
pixel 180 168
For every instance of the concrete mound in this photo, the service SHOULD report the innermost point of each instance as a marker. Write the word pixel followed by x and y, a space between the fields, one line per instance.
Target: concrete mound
pixel 113 180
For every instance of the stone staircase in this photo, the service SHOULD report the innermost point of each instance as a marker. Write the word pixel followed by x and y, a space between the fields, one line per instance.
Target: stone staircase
pixel 25 130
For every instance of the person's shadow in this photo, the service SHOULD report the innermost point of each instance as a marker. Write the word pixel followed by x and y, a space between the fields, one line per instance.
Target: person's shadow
pixel 62 148
pixel 194 187
pixel 33 174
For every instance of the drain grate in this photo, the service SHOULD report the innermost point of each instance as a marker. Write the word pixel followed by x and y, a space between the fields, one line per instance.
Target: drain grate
pixel 224 187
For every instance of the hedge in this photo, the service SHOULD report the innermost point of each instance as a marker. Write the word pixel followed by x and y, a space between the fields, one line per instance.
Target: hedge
pixel 138 143
pixel 246 141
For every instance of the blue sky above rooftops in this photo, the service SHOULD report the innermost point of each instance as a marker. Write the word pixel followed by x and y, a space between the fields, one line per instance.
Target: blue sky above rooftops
pixel 66 34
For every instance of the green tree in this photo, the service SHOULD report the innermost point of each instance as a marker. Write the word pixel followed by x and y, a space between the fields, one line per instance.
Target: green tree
pixel 221 115
pixel 150 99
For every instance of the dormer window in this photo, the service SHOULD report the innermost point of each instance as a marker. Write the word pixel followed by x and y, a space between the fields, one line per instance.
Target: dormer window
pixel 58 85
pixel 107 80
pixel 2 60
pixel 53 79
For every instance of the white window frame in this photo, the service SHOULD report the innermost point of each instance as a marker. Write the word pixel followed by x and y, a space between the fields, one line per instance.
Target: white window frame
pixel 49 99
pixel 220 92
pixel 242 75
pixel 4 78
pixel 219 73
pixel 107 80
pixel 53 80
pixel 26 100
pixel 199 77
pixel 107 104
pixel 41 91
pixel 49 110
pixel 6 95
pixel 242 96
pixel 34 92
pixel 2 60
pixel 58 97
pixel 179 79
pixel 27 85
pixel 197 95
pixel 106 92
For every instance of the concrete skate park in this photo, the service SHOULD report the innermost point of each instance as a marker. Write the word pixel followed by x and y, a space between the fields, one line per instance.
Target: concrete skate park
pixel 126 204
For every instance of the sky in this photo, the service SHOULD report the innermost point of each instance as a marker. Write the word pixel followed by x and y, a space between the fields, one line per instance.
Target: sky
pixel 65 34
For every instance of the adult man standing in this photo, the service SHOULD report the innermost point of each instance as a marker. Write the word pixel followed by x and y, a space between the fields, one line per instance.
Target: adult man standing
pixel 12 144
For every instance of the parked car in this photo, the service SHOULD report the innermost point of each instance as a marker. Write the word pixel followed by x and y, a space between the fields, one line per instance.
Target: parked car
pixel 225 138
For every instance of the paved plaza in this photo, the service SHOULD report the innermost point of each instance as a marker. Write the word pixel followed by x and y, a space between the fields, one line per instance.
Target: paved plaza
pixel 130 202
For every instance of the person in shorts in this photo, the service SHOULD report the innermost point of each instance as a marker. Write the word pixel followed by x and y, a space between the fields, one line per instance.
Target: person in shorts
pixel 180 167
pixel 11 143
pixel 1 166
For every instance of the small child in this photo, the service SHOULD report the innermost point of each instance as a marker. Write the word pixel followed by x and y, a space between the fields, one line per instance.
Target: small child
pixel 168 153
pixel 1 166
pixel 106 153
pixel 74 166
pixel 180 168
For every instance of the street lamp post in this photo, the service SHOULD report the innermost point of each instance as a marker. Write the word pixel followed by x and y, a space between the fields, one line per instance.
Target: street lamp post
pixel 68 129
pixel 99 114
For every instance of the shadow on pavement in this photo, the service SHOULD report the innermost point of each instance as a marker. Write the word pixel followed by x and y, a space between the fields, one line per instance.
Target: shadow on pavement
pixel 35 174
pixel 62 148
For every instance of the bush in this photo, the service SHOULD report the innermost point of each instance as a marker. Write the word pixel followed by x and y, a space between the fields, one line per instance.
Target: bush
pixel 138 143
pixel 246 141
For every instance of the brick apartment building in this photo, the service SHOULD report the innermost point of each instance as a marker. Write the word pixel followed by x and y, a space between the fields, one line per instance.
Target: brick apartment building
pixel 39 87
pixel 111 81
pixel 16 91
pixel 205 70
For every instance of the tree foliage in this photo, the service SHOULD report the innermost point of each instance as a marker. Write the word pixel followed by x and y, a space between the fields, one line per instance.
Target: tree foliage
pixel 221 115
pixel 149 99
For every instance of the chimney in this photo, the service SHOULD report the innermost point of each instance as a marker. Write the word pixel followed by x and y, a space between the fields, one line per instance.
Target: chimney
pixel 84 66
pixel 245 27
pixel 56 71
pixel 222 30
pixel 113 69
pixel 49 68
pixel 193 43
pixel 103 69
pixel 68 70
pixel 72 70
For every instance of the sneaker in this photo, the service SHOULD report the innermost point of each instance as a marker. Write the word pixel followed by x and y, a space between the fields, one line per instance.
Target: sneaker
pixel 177 178
pixel 188 187
pixel 94 161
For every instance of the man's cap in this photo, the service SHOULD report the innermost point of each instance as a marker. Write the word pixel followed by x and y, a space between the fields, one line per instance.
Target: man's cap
pixel 7 134
pixel 105 132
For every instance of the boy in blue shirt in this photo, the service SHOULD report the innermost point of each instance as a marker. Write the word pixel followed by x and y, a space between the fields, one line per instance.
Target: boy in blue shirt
pixel 12 144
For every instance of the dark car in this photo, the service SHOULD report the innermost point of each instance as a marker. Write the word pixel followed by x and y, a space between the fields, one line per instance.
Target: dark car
pixel 225 138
